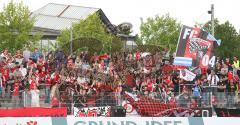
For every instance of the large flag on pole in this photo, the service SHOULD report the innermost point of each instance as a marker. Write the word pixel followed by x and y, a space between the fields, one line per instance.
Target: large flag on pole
pixel 195 48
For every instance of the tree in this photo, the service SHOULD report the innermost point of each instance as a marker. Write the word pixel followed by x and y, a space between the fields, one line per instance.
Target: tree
pixel 90 28
pixel 161 31
pixel 230 38
pixel 16 25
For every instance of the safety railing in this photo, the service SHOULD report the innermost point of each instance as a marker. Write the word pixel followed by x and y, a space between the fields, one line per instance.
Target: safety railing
pixel 72 99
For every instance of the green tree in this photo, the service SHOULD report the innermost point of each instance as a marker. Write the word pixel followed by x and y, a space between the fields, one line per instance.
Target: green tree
pixel 16 25
pixel 230 38
pixel 162 31
pixel 92 28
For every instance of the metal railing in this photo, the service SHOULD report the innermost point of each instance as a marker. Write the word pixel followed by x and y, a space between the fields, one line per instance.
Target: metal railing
pixel 71 100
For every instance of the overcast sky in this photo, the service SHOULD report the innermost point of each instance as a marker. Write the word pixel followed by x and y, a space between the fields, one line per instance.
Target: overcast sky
pixel 188 12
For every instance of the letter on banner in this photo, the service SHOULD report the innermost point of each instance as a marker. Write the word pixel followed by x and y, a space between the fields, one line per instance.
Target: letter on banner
pixel 155 123
pixel 130 123
pixel 92 123
pixel 167 122
pixel 186 33
pixel 177 122
pixel 80 123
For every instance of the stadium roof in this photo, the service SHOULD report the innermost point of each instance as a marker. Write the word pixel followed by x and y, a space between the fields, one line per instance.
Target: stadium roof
pixel 56 17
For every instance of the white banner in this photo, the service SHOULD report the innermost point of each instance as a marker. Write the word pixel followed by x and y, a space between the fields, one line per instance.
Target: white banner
pixel 128 121
pixel 130 111
pixel 71 120
pixel 187 75
pixel 26 121
pixel 92 112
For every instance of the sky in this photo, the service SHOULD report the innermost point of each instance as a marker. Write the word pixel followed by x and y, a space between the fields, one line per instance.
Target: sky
pixel 187 12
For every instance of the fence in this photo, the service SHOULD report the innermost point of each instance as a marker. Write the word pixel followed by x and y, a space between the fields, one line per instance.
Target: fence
pixel 71 100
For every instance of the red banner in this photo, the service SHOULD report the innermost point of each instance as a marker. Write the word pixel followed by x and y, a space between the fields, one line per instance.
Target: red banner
pixel 195 48
pixel 34 112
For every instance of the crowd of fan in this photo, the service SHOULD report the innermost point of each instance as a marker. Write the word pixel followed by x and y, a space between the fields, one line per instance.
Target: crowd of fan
pixel 27 77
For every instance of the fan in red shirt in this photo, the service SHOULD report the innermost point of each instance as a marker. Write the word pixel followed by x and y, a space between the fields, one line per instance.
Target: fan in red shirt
pixel 56 77
pixel 138 56
pixel 130 80
pixel 41 76
pixel 31 64
pixel 104 56
pixel 227 62
pixel 149 85
pixel 18 54
pixel 16 88
pixel 33 82
pixel 55 102
pixel 172 100
pixel 230 75
pixel 40 64
pixel 48 80
pixel 5 77
pixel 15 94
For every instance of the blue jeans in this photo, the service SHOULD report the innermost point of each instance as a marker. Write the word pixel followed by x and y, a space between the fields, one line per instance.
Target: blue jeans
pixel 47 95
pixel 206 98
pixel 221 98
pixel 230 99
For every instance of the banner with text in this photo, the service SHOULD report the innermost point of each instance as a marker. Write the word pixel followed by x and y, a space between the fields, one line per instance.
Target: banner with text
pixel 92 112
pixel 120 121
pixel 195 48
pixel 187 75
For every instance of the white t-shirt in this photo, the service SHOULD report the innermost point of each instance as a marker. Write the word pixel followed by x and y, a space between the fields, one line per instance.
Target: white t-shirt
pixel 35 98
pixel 23 71
pixel 26 54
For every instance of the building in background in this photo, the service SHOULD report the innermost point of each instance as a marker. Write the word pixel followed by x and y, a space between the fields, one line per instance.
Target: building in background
pixel 52 18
